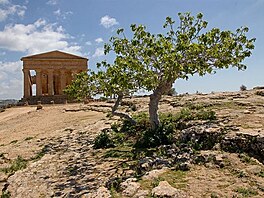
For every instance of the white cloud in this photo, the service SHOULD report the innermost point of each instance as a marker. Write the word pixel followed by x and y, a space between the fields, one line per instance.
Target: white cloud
pixel 4 2
pixel 88 43
pixel 98 52
pixel 52 2
pixel 99 40
pixel 37 37
pixel 108 22
pixel 61 14
pixel 9 9
pixel 10 80
pixel 57 12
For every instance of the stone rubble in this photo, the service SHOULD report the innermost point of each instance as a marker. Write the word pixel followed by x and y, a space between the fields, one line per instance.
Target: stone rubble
pixel 129 187
pixel 164 189
pixel 69 169
pixel 72 168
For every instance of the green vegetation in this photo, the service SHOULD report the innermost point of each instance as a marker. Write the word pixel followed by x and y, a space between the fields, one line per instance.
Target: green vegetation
pixel 175 178
pixel 121 152
pixel 183 51
pixel 103 140
pixel 40 154
pixel 246 192
pixel 141 135
pixel 243 88
pixel 153 62
pixel 5 194
pixel 247 159
pixel 82 87
pixel 172 92
pixel 18 164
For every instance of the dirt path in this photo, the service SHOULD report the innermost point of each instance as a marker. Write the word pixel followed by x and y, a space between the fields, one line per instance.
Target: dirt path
pixel 21 128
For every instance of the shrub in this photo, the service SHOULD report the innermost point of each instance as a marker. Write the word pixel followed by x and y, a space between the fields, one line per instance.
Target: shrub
pixel 103 140
pixel 114 127
pixel 205 115
pixel 172 92
pixel 141 135
pixel 163 135
pixel 243 88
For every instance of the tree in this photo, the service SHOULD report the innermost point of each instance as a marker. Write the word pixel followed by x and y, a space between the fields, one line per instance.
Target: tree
pixel 82 87
pixel 158 60
pixel 111 79
pixel 117 79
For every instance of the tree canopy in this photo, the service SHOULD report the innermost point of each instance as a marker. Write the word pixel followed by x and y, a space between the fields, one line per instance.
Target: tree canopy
pixel 155 61
pixel 158 60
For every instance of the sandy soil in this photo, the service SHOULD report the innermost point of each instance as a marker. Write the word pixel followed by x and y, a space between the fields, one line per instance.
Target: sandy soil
pixel 22 128
pixel 24 131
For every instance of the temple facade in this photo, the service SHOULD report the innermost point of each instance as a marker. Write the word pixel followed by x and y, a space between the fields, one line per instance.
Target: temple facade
pixel 50 72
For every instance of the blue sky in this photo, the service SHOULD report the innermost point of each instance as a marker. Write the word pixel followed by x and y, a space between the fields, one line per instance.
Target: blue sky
pixel 83 26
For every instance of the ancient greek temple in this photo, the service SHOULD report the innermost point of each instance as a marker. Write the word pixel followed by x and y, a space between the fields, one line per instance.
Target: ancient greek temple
pixel 49 73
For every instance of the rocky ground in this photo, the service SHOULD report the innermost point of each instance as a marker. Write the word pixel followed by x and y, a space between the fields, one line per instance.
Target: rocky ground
pixel 49 153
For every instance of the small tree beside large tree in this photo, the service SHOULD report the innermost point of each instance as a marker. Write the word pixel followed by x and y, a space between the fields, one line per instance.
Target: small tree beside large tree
pixel 155 61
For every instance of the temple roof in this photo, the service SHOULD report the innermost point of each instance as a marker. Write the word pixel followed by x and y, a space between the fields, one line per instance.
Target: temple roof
pixel 52 55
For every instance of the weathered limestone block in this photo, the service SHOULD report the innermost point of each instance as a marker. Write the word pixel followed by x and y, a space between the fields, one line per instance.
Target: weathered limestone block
pixel 154 174
pixel 101 192
pixel 164 189
pixel 129 187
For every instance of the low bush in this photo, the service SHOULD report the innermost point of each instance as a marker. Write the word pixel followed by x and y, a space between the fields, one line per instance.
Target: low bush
pixel 103 140
pixel 163 135
pixel 243 88
pixel 141 135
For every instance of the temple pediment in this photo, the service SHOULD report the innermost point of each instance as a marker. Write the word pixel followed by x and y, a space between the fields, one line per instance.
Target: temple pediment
pixel 52 55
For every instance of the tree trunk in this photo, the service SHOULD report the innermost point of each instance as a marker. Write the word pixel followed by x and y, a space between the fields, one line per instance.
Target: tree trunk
pixel 121 114
pixel 154 103
pixel 153 109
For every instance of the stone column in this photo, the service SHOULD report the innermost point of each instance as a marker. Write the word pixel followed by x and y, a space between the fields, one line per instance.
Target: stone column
pixel 63 81
pixel 50 82
pixel 38 82
pixel 26 83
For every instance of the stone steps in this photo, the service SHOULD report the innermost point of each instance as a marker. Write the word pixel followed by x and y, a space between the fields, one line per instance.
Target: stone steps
pixel 33 100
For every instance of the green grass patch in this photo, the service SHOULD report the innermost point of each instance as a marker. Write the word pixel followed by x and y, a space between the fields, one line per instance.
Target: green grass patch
pixel 246 192
pixel 40 154
pixel 176 179
pixel 18 164
pixel 119 152
pixel 247 159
